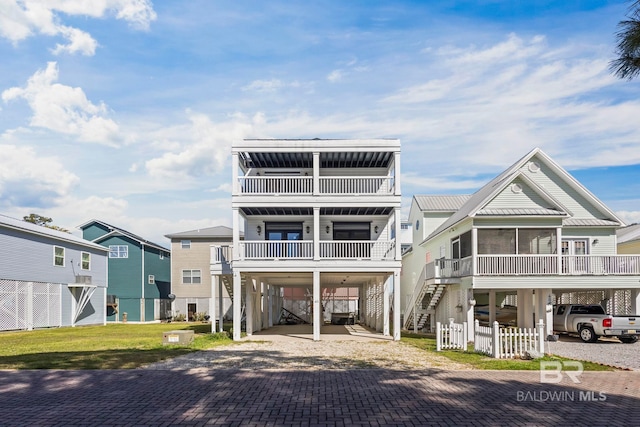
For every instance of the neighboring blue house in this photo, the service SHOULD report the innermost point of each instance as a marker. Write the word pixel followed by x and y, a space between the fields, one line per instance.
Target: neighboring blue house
pixel 49 278
pixel 139 273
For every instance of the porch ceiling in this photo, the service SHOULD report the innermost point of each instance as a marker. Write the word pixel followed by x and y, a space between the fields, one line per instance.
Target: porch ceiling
pixel 304 160
pixel 248 211
pixel 327 280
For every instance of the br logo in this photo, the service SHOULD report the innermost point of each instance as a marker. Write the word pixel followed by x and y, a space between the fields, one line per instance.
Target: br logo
pixel 551 371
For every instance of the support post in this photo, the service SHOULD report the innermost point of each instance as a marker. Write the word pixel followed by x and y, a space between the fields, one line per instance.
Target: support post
pixel 541 337
pixel 237 308
pixel 212 303
pixel 220 306
pixel 316 305
pixel 385 306
pixel 495 350
pixel 248 305
pixel 396 305
pixel 438 336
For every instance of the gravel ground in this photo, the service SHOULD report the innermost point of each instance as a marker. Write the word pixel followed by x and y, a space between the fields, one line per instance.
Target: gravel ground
pixel 607 351
pixel 292 347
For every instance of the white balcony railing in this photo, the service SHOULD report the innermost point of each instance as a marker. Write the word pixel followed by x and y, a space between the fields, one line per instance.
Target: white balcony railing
pixel 276 249
pixel 221 254
pixel 356 185
pixel 303 185
pixel 358 249
pixel 303 249
pixel 537 265
pixel 276 185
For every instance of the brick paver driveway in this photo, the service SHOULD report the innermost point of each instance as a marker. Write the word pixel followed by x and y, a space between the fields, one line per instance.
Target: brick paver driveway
pixel 334 397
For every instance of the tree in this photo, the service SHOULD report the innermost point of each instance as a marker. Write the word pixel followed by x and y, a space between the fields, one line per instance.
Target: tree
pixel 627 66
pixel 43 221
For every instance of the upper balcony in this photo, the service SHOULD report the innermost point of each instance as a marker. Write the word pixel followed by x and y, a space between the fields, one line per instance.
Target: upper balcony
pixel 315 168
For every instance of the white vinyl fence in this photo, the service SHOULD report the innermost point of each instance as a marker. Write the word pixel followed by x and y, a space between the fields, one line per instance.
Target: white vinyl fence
pixel 452 336
pixel 508 343
pixel 494 341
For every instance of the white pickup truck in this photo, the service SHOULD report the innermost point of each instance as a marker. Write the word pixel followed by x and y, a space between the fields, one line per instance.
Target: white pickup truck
pixel 591 322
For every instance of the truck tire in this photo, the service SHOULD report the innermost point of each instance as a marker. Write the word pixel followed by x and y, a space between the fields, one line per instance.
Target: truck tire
pixel 587 335
pixel 629 340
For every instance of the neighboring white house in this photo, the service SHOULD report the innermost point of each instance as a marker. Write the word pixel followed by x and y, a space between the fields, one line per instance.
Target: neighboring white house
pixel 49 278
pixel 316 214
pixel 530 238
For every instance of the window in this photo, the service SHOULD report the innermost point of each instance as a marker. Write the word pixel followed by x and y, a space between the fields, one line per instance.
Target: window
pixel 191 277
pixel 118 251
pixel 152 279
pixel 58 256
pixel 185 244
pixel 351 231
pixel 85 263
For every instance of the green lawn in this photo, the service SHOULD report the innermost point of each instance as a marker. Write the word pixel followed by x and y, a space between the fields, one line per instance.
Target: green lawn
pixel 128 346
pixel 480 361
pixel 114 346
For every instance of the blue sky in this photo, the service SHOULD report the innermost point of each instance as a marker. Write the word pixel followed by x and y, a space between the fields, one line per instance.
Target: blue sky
pixel 125 110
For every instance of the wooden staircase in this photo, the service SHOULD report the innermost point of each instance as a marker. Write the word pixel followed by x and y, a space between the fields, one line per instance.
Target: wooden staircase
pixel 423 302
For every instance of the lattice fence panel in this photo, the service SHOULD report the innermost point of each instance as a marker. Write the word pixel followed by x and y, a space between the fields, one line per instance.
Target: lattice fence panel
pixel 46 305
pixel 620 303
pixel 587 297
pixel 29 304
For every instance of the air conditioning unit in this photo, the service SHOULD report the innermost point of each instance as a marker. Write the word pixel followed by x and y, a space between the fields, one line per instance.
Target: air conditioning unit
pixel 86 280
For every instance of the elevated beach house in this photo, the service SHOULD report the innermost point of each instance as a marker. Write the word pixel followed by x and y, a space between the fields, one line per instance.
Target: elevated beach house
pixel 532 237
pixel 317 214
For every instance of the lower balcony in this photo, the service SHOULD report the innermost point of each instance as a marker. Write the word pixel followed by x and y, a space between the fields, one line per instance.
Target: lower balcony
pixel 535 265
pixel 304 249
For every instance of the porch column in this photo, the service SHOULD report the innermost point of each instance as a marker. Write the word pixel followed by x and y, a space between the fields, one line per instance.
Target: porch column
pixel 235 218
pixel 469 305
pixel 559 248
pixel 265 304
pixel 543 298
pixel 248 305
pixel 220 306
pixel 379 304
pixel 316 174
pixel 316 305
pixel 525 308
pixel 492 306
pixel 398 231
pixel 237 308
pixel 396 173
pixel 316 233
pixel 396 305
pixel 635 301
pixel 386 291
pixel 270 305
pixel 213 312
pixel 474 254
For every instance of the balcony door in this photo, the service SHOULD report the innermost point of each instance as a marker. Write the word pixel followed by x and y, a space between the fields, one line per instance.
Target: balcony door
pixel 360 231
pixel 281 233
pixel 573 259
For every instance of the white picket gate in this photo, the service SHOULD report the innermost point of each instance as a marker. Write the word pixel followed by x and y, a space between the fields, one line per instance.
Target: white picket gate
pixel 508 343
pixel 452 336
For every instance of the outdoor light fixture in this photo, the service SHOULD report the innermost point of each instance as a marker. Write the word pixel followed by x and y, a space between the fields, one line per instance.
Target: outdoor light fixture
pixel 472 302
pixel 328 229
pixel 596 241
pixel 308 229
pixel 375 229
pixel 259 230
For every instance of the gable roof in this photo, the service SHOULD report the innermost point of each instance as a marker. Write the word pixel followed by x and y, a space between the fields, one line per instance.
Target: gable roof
pixel 115 231
pixel 475 204
pixel 217 232
pixel 28 227
pixel 629 233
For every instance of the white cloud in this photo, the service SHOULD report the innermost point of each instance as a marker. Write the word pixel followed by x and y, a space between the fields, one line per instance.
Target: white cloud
pixel 204 147
pixel 64 109
pixel 630 217
pixel 264 85
pixel 24 18
pixel 335 76
pixel 32 181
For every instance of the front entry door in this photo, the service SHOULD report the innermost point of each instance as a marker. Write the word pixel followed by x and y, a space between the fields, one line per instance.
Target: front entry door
pixel 574 259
